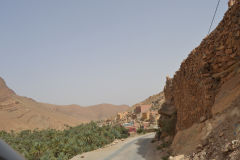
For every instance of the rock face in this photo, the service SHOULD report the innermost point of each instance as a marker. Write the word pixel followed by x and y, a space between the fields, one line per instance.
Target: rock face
pixel 195 85
pixel 4 90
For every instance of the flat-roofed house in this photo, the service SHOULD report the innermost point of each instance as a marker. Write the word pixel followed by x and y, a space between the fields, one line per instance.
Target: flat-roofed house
pixel 122 115
pixel 146 115
pixel 142 108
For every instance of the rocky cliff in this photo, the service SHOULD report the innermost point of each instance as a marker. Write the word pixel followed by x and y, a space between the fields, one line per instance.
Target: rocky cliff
pixel 215 61
pixel 200 117
pixel 4 90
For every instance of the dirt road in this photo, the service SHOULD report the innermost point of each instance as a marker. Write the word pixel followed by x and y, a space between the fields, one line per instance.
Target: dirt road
pixel 134 148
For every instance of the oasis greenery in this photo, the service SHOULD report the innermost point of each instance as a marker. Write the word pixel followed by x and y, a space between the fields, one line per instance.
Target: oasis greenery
pixel 53 144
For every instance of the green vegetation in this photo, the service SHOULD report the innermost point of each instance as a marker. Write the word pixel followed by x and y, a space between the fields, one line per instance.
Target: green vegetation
pixel 165 158
pixel 141 130
pixel 52 144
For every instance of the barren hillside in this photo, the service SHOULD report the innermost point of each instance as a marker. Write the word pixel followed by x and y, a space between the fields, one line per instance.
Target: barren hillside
pixel 18 113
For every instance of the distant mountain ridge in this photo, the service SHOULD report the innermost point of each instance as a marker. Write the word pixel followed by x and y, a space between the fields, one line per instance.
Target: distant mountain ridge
pixel 20 113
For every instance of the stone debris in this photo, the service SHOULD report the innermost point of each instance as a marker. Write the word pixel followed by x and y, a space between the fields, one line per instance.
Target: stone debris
pixel 202 119
pixel 180 157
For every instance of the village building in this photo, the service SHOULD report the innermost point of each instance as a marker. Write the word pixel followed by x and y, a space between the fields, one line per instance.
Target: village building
pixel 146 116
pixel 154 116
pixel 142 108
pixel 130 126
pixel 145 125
pixel 121 116
pixel 134 116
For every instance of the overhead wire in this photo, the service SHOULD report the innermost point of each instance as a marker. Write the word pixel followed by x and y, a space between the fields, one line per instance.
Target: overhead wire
pixel 214 16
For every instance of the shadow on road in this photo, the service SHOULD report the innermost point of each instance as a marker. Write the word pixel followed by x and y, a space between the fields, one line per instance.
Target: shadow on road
pixel 147 149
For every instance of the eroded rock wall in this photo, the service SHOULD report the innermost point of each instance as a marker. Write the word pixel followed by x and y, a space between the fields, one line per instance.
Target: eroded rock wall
pixel 194 86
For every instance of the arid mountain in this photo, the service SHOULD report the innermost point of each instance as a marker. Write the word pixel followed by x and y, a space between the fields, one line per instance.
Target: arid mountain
pixel 19 113
pixel 95 112
pixel 155 100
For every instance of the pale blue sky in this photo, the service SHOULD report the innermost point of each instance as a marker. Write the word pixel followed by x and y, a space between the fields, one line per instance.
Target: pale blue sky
pixel 98 51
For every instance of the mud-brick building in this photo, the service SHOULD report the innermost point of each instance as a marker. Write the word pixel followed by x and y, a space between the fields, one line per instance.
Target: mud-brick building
pixel 146 115
pixel 142 108
pixel 122 115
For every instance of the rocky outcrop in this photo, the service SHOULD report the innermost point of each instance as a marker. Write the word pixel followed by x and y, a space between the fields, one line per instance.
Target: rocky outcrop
pixel 4 90
pixel 217 138
pixel 194 87
pixel 167 120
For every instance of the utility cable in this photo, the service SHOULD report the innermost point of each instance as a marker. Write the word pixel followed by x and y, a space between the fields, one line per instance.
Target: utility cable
pixel 214 16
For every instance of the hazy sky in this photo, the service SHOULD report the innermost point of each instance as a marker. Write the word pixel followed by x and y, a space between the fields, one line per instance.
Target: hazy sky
pixel 94 51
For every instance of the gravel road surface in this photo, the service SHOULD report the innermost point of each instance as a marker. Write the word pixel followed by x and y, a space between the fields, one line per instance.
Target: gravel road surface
pixel 134 148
